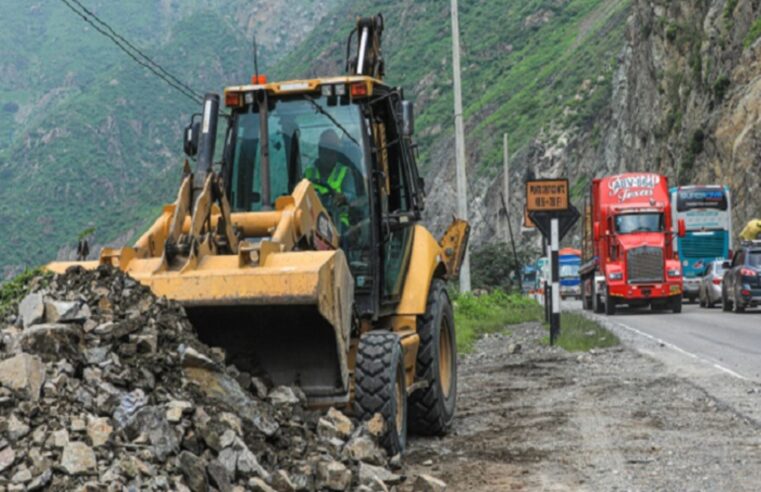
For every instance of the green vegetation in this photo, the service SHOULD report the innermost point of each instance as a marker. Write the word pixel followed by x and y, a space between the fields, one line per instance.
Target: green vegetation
pixel 490 313
pixel 493 265
pixel 581 334
pixel 13 291
pixel 721 87
pixel 88 138
pixel 99 138
pixel 580 188
pixel 729 9
pixel 524 64
pixel 753 33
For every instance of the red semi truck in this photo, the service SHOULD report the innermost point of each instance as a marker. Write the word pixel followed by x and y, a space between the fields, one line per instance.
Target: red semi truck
pixel 628 254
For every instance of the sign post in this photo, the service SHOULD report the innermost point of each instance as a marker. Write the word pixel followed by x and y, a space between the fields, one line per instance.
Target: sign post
pixel 548 206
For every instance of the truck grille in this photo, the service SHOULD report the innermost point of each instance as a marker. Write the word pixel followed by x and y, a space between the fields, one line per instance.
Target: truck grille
pixel 645 265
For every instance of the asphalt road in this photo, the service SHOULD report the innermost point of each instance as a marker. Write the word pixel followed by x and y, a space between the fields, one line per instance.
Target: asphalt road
pixel 729 341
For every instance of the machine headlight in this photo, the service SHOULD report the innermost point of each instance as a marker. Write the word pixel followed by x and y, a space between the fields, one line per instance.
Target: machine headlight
pixel 675 272
pixel 616 276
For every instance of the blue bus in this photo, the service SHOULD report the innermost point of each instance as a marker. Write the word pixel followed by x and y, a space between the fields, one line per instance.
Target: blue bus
pixel 707 214
pixel 569 261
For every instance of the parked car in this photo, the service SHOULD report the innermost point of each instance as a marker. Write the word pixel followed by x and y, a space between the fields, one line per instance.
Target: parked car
pixel 741 286
pixel 709 292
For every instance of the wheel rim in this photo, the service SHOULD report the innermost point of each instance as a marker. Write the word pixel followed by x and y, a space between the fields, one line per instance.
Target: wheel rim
pixel 400 396
pixel 445 359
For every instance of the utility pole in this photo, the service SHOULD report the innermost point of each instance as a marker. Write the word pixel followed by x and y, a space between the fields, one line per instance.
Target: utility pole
pixel 462 185
pixel 506 182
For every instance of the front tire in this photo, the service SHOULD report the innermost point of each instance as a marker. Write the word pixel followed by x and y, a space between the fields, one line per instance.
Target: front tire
pixel 432 408
pixel 380 386
pixel 610 303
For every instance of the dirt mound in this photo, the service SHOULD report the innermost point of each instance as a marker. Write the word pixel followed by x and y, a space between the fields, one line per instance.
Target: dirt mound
pixel 103 385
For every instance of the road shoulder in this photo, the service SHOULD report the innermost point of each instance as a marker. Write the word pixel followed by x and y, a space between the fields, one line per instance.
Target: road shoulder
pixel 541 418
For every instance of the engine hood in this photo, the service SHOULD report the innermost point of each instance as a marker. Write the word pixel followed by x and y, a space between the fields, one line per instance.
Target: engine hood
pixel 633 241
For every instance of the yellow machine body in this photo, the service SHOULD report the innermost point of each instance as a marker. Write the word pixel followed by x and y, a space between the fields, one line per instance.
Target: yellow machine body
pixel 751 231
pixel 273 286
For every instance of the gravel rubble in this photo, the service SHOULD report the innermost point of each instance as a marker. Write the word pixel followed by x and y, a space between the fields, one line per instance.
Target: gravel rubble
pixel 104 386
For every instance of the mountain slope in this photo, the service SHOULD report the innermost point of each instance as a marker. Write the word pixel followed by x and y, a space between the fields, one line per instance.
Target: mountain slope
pixel 88 138
pixel 530 68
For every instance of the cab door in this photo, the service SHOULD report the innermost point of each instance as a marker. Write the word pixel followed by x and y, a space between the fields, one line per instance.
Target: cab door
pixel 398 214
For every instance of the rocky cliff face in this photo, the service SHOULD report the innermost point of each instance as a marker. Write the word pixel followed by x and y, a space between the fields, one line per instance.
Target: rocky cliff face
pixel 688 103
pixel 684 101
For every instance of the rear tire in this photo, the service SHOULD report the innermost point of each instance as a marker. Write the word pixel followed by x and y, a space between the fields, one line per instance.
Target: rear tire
pixel 380 386
pixel 702 300
pixel 725 304
pixel 586 301
pixel 676 304
pixel 432 408
pixel 597 305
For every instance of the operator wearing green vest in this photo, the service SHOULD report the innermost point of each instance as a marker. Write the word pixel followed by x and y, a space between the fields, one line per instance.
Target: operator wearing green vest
pixel 329 177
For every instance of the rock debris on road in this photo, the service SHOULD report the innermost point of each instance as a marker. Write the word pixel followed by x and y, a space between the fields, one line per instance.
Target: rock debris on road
pixel 103 386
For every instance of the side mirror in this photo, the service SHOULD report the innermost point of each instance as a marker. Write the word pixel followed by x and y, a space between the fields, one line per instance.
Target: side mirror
pixel 681 228
pixel 408 118
pixel 726 265
pixel 596 231
pixel 190 140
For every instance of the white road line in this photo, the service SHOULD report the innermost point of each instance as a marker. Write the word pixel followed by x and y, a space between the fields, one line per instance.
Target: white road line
pixel 681 350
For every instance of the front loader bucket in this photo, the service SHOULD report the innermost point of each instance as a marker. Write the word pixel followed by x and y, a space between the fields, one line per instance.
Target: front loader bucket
pixel 288 319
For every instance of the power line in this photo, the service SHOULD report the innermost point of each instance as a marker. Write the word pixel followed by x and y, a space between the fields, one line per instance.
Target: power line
pixel 133 47
pixel 126 47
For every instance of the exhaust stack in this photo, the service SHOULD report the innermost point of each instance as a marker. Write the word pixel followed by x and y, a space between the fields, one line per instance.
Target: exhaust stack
pixel 207 141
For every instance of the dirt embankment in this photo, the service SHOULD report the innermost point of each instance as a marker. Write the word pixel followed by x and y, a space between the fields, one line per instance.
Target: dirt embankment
pixel 545 419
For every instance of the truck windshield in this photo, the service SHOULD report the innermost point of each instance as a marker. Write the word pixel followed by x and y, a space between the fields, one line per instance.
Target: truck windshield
pixel 643 222
pixel 567 271
pixel 308 138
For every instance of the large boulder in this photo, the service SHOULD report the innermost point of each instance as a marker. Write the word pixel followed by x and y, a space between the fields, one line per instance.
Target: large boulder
pixel 24 373
pixel 53 341
pixel 78 459
pixel 31 310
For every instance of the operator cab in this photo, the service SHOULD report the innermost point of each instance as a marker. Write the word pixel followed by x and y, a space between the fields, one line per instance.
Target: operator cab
pixel 376 196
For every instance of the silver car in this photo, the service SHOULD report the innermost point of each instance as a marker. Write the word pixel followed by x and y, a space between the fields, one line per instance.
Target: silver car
pixel 710 284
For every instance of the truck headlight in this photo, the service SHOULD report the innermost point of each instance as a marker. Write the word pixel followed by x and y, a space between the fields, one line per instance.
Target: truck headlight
pixel 675 272
pixel 616 276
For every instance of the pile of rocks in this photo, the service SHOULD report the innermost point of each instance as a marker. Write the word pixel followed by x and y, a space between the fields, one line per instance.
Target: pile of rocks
pixel 103 385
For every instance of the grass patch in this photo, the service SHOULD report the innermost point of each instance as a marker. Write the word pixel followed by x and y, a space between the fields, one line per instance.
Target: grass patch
pixel 581 334
pixel 13 291
pixel 489 313
pixel 753 33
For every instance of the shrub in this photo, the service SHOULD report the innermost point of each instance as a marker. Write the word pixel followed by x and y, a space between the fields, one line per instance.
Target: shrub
pixel 721 87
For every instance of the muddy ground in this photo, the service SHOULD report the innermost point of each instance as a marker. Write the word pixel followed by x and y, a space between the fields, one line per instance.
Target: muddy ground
pixel 613 419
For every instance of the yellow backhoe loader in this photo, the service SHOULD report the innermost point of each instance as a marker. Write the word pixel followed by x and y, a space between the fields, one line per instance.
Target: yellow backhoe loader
pixel 301 253
pixel 751 231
